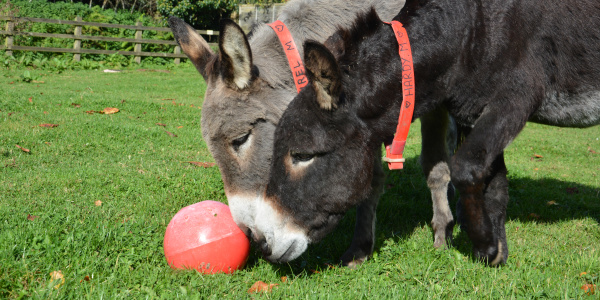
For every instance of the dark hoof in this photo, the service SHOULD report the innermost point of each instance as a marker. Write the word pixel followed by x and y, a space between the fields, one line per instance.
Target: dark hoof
pixel 352 260
pixel 492 256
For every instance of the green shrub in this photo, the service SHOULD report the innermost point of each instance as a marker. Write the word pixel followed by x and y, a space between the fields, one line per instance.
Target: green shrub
pixel 204 14
pixel 199 14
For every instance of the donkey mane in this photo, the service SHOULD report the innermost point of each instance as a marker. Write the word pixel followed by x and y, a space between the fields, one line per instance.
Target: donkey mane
pixel 307 18
pixel 346 41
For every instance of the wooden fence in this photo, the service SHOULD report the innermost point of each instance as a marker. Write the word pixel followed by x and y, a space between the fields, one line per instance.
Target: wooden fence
pixel 10 33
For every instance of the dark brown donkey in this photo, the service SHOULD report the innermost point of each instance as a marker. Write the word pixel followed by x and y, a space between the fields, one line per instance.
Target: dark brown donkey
pixel 250 85
pixel 493 64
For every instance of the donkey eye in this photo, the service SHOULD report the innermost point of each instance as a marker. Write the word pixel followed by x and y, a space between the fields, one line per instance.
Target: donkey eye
pixel 301 157
pixel 237 143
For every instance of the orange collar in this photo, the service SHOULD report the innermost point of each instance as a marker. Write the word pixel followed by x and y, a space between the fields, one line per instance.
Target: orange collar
pixel 393 152
pixel 291 51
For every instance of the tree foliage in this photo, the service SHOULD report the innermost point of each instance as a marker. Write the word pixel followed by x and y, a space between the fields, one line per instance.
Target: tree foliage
pixel 204 14
pixel 199 14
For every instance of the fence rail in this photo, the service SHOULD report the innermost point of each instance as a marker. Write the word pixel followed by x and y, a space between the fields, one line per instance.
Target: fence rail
pixel 138 40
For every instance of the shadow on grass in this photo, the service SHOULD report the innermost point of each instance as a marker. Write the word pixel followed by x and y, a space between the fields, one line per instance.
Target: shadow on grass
pixel 406 205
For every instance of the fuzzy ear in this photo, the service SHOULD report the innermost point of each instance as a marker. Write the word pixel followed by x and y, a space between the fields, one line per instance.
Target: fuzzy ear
pixel 235 55
pixel 192 44
pixel 324 73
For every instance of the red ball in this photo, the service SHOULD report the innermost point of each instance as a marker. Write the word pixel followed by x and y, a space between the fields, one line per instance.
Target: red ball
pixel 203 236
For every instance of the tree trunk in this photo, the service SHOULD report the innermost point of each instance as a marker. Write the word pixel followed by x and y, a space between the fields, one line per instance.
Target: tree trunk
pixel 132 6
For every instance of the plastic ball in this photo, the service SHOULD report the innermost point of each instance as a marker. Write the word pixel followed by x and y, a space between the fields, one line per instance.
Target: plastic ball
pixel 203 236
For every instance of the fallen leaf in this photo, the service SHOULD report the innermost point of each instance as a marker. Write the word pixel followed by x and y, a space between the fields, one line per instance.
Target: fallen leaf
pixel 167 99
pixel 122 101
pixel 98 203
pixel 86 278
pixel 572 190
pixel 161 124
pixel 582 273
pixel 590 289
pixel 110 110
pixel 57 275
pixel 30 100
pixel 179 127
pixel 592 150
pixel 90 112
pixel 23 149
pixel 536 157
pixel 76 105
pixel 260 286
pixel 202 164
pixel 534 216
pixel 171 134
pixel 551 203
pixel 31 217
pixel 283 279
pixel 35 81
pixel 48 125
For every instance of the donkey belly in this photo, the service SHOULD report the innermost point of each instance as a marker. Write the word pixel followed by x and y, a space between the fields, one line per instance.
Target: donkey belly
pixel 569 110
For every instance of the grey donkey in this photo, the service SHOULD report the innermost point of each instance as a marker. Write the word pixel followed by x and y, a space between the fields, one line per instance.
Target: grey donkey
pixel 249 85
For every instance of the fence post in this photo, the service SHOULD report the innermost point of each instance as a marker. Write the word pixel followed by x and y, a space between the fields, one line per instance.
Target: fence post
pixel 138 45
pixel 77 43
pixel 177 51
pixel 10 26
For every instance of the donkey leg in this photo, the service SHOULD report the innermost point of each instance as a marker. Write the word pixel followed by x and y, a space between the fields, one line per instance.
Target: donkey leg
pixel 496 200
pixel 442 223
pixel 479 173
pixel 364 230
pixel 439 141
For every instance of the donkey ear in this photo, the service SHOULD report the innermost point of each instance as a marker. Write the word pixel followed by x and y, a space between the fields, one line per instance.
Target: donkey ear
pixel 324 73
pixel 235 55
pixel 192 44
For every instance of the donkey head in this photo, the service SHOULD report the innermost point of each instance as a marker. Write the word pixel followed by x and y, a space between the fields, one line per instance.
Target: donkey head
pixel 322 162
pixel 241 108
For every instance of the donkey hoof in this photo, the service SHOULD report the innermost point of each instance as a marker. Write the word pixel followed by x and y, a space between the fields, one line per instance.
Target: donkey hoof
pixel 442 234
pixel 492 256
pixel 353 264
pixel 352 261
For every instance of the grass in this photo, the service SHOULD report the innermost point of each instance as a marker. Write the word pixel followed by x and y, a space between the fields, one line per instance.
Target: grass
pixel 139 173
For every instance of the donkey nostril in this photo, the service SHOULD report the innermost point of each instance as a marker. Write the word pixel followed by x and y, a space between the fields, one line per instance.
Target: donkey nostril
pixel 261 242
pixel 264 247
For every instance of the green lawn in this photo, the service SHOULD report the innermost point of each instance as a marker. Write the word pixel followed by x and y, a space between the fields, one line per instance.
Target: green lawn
pixel 138 170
